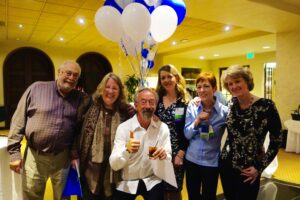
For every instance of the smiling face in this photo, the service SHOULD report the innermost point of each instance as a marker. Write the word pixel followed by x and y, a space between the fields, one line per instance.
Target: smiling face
pixel 68 75
pixel 205 91
pixel 237 86
pixel 111 93
pixel 145 105
pixel 168 80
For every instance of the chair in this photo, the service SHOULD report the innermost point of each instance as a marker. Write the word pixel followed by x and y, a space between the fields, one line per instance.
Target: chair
pixel 267 192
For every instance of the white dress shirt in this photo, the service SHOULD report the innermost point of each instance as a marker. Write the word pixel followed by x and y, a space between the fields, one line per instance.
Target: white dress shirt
pixel 137 166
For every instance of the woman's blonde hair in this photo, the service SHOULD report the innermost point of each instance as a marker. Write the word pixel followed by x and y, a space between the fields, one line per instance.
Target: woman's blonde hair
pixel 121 102
pixel 180 86
pixel 238 71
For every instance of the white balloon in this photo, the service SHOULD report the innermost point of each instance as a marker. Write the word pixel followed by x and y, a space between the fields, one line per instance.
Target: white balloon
pixel 129 46
pixel 163 23
pixel 108 23
pixel 136 21
pixel 123 3
pixel 153 2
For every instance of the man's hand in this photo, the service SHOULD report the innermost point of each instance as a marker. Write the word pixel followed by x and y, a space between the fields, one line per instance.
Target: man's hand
pixel 159 153
pixel 16 166
pixel 132 145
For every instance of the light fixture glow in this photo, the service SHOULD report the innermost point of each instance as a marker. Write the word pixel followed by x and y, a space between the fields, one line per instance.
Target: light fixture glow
pixel 21 26
pixel 174 43
pixel 201 57
pixel 266 47
pixel 216 55
pixel 81 20
pixel 61 39
pixel 227 28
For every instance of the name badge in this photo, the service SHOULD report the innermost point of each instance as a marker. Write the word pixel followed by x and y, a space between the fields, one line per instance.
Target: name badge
pixel 206 131
pixel 179 114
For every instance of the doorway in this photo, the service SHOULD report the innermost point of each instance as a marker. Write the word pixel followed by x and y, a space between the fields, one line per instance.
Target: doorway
pixel 21 68
pixel 94 66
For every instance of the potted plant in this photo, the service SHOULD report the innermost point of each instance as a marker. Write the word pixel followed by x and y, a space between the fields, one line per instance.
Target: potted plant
pixel 296 114
pixel 131 83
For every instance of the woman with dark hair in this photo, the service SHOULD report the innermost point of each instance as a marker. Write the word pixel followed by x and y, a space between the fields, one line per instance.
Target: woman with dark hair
pixel 249 119
pixel 173 100
pixel 100 116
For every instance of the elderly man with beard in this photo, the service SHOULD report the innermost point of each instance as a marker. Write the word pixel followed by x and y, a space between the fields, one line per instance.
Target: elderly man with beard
pixel 46 116
pixel 131 150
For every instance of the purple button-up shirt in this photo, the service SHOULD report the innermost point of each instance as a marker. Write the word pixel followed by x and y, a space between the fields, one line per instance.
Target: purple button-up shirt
pixel 46 118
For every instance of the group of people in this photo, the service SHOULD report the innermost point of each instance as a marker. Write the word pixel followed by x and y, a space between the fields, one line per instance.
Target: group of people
pixel 109 139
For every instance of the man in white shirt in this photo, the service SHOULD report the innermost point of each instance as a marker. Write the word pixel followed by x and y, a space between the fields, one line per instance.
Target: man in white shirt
pixel 131 151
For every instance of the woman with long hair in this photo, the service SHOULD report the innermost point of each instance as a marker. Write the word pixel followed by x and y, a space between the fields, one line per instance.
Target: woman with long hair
pixel 171 108
pixel 100 115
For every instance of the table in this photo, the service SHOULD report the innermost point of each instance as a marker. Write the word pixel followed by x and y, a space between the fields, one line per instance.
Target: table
pixel 293 137
pixel 10 182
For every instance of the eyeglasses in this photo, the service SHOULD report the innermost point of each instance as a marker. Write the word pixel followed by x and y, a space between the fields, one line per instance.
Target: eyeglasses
pixel 70 73
pixel 151 102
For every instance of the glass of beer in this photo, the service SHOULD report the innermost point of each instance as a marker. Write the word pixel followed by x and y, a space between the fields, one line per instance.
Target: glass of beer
pixel 151 151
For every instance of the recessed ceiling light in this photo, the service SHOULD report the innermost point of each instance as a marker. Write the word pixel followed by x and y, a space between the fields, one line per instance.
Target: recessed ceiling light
pixel 216 55
pixel 266 47
pixel 17 39
pixel 202 57
pixel 61 39
pixel 227 28
pixel 21 26
pixel 81 20
pixel 174 43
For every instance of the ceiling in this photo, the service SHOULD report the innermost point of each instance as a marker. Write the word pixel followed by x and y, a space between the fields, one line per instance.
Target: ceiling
pixel 254 24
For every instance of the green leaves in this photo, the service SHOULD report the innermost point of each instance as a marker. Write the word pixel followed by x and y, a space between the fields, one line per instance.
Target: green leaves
pixel 131 83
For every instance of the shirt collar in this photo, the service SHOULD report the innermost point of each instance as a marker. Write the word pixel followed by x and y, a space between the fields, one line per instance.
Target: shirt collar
pixel 216 107
pixel 136 123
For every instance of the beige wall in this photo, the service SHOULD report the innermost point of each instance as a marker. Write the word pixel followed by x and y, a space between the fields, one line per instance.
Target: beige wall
pixel 288 73
pixel 256 67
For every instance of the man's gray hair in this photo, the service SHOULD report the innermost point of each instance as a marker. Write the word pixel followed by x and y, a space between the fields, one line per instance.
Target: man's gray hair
pixel 143 90
pixel 62 66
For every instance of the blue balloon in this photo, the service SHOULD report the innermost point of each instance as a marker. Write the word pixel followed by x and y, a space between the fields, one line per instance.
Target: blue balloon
pixel 178 6
pixel 113 4
pixel 145 53
pixel 150 64
pixel 150 8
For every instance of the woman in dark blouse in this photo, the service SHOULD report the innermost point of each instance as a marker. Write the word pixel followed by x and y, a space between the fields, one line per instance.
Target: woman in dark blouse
pixel 173 100
pixel 249 119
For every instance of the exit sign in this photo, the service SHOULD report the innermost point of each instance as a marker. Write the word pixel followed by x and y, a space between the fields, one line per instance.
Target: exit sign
pixel 250 55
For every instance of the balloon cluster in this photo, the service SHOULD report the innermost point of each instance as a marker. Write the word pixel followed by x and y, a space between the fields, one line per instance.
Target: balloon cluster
pixel 138 26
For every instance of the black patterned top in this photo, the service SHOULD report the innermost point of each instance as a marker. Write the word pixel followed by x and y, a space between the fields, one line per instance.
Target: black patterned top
pixel 247 130
pixel 174 117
